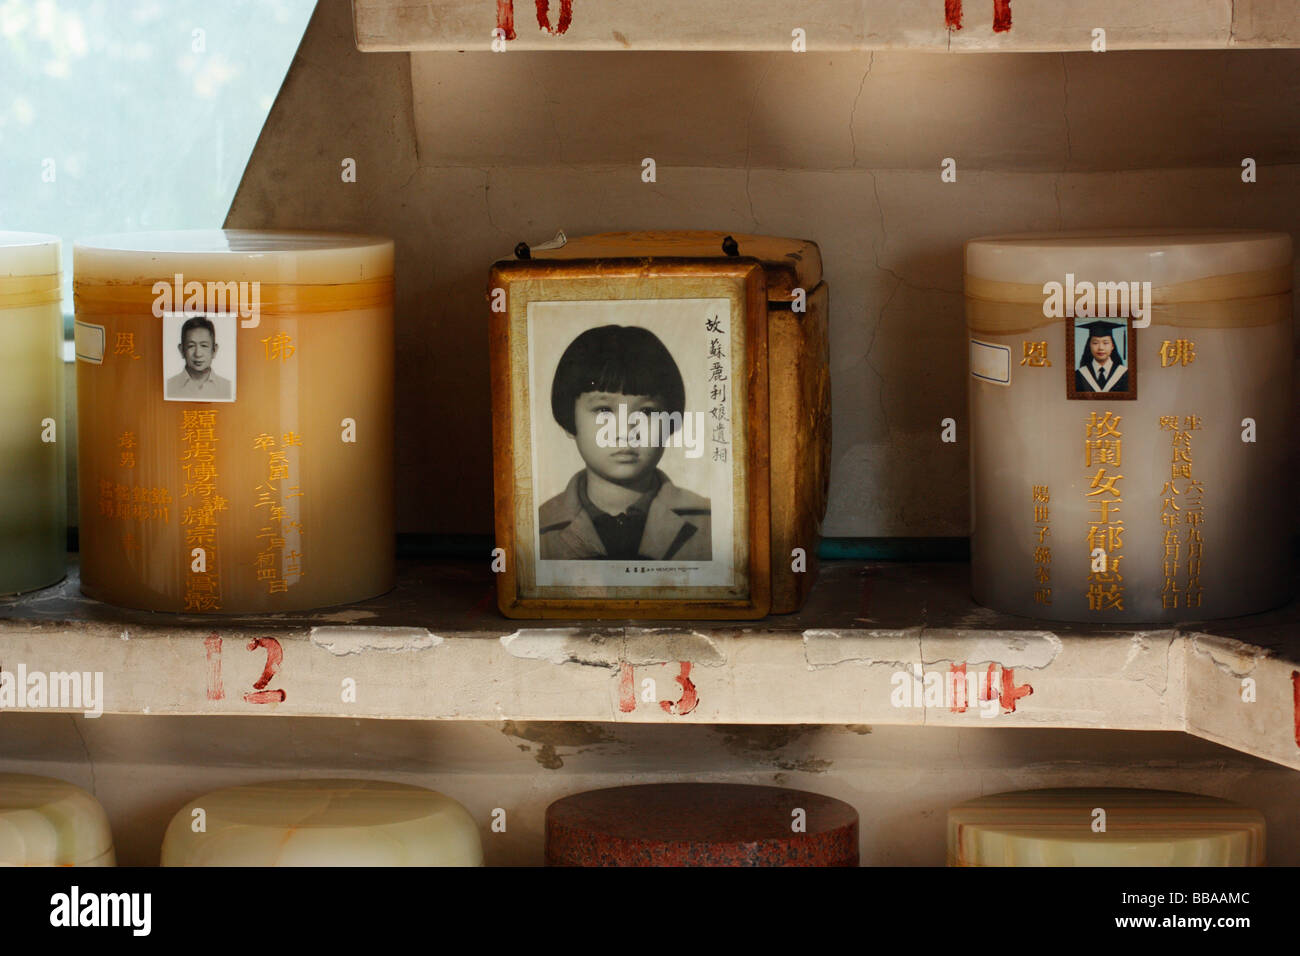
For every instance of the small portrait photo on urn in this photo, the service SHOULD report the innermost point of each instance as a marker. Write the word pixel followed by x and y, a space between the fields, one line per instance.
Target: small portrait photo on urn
pixel 199 357
pixel 619 397
pixel 1100 349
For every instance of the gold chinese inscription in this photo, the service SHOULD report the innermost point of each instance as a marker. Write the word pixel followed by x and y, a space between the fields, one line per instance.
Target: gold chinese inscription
pixel 1177 352
pixel 1176 518
pixel 126 444
pixel 1103 452
pixel 124 344
pixel 278 563
pixel 204 505
pixel 134 502
pixel 1035 355
pixel 1041 498
pixel 278 346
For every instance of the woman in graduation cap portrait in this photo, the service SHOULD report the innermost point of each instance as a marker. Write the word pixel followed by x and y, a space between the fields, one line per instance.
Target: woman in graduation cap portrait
pixel 1101 366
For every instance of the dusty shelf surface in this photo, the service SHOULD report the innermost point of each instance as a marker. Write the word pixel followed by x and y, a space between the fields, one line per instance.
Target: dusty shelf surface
pixel 931 25
pixel 878 643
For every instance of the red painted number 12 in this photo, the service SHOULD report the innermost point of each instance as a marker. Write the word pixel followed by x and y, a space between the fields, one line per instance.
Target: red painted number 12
pixel 259 694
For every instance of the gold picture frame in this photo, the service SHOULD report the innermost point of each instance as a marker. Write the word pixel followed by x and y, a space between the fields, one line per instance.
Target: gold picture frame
pixel 535 307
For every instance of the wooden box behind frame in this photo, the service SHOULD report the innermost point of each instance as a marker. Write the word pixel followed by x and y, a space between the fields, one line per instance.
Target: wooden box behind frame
pixel 799 386
pixel 797 419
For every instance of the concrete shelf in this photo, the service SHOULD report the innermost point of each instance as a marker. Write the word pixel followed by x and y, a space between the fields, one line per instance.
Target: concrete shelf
pixel 828 25
pixel 878 643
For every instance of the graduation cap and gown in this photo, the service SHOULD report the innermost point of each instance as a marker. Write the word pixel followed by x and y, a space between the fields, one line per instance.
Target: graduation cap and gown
pixel 1088 378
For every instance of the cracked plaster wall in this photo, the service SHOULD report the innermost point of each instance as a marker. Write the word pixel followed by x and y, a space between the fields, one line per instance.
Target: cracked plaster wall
pixel 461 155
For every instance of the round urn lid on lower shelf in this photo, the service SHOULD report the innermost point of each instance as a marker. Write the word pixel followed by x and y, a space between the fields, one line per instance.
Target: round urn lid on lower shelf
pixel 323 823
pixel 49 822
pixel 1104 827
pixel 701 824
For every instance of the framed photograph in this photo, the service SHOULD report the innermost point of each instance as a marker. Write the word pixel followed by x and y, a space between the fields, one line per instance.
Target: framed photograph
pixel 1103 359
pixel 199 357
pixel 631 438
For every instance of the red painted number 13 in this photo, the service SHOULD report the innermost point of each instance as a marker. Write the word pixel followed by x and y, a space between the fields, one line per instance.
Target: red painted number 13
pixel 689 700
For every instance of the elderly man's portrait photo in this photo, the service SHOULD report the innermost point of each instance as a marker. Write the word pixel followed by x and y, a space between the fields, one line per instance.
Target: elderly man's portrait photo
pixel 199 358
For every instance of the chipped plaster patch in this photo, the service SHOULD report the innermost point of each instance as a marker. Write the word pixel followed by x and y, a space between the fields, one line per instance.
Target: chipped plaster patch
pixel 342 641
pixel 565 645
pixel 1233 657
pixel 827 648
pixel 649 645
pixel 596 648
pixel 1030 650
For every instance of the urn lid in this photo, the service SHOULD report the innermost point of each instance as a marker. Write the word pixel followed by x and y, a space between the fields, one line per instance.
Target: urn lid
pixel 1104 827
pixel 701 824
pixel 28 254
pixel 298 258
pixel 50 822
pixel 324 823
pixel 1162 257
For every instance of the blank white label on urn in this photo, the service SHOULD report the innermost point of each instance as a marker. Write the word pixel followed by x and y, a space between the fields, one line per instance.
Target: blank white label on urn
pixel 89 340
pixel 990 363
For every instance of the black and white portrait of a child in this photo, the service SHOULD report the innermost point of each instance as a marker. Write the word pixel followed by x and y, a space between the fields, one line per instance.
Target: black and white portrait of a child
pixel 619 396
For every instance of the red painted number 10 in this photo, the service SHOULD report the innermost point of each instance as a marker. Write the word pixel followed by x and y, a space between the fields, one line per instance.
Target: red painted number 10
pixel 506 17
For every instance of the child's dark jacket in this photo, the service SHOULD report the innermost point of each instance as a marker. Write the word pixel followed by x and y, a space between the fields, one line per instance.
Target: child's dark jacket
pixel 677 527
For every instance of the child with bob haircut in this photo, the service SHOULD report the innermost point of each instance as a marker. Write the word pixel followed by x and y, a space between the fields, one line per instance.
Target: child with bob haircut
pixel 620 506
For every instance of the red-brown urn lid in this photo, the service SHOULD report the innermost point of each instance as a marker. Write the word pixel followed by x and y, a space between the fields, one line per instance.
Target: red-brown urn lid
pixel 700 824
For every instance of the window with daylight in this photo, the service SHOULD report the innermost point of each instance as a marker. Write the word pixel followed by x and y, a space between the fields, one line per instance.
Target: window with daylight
pixel 119 115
